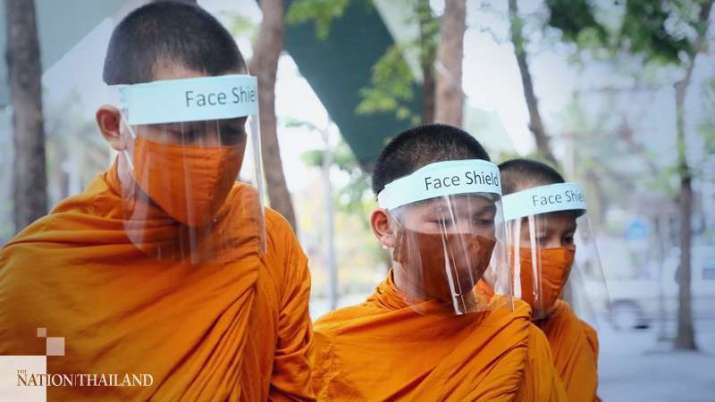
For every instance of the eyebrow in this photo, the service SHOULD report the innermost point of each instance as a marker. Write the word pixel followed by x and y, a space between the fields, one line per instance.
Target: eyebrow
pixel 548 230
pixel 234 125
pixel 485 209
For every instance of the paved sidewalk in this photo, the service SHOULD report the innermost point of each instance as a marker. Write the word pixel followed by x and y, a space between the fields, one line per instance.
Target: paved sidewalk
pixel 635 367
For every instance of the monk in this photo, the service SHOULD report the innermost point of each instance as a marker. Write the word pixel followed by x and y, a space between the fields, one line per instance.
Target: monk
pixel 574 343
pixel 407 343
pixel 157 295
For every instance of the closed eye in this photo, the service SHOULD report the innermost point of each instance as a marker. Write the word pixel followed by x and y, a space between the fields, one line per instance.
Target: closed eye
pixel 568 239
pixel 444 222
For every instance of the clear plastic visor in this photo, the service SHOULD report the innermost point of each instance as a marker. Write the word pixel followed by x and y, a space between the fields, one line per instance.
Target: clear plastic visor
pixel 554 259
pixel 187 192
pixel 444 246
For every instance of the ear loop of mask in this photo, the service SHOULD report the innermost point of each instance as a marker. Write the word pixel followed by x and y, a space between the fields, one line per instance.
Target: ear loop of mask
pixel 128 157
pixel 398 232
pixel 401 240
pixel 130 162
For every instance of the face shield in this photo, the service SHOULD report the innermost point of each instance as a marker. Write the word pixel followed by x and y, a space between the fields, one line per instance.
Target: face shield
pixel 183 197
pixel 546 226
pixel 449 230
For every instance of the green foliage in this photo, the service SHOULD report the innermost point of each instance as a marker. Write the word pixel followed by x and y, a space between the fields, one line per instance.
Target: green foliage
pixel 660 31
pixel 607 159
pixel 516 27
pixel 706 128
pixel 240 25
pixel 321 12
pixel 429 32
pixel 355 196
pixel 577 22
pixel 392 81
pixel 390 87
pixel 647 29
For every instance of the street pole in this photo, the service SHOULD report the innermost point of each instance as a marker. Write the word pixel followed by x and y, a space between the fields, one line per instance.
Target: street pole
pixel 329 229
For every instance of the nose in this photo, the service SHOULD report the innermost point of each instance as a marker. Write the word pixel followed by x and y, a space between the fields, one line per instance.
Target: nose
pixel 553 242
pixel 463 226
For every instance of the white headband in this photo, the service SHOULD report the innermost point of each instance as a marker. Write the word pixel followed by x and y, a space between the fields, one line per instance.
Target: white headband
pixel 190 99
pixel 441 179
pixel 543 199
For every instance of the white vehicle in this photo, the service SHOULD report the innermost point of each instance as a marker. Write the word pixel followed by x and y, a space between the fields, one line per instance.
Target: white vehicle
pixel 636 303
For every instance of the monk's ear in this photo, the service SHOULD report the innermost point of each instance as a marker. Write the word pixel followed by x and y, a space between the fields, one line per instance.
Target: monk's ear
pixel 384 228
pixel 109 122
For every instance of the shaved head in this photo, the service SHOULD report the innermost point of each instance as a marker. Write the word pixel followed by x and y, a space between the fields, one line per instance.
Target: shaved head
pixel 173 33
pixel 519 174
pixel 420 146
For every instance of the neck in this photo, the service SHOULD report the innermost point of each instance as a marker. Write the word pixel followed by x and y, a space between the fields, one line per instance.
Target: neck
pixel 124 173
pixel 406 285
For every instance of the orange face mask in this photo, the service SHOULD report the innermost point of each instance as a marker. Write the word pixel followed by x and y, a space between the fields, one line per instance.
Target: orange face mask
pixel 555 264
pixel 423 256
pixel 190 183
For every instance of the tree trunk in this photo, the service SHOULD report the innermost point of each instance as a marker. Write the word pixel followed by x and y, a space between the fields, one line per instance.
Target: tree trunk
pixel 660 256
pixel 685 338
pixel 449 100
pixel 428 53
pixel 264 64
pixel 25 77
pixel 536 125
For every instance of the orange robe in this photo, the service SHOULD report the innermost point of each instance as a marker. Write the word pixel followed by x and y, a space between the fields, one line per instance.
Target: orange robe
pixel 235 328
pixel 574 346
pixel 384 350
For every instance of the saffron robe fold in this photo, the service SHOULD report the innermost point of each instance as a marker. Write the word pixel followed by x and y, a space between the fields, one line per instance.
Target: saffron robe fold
pixel 574 346
pixel 384 350
pixel 235 327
